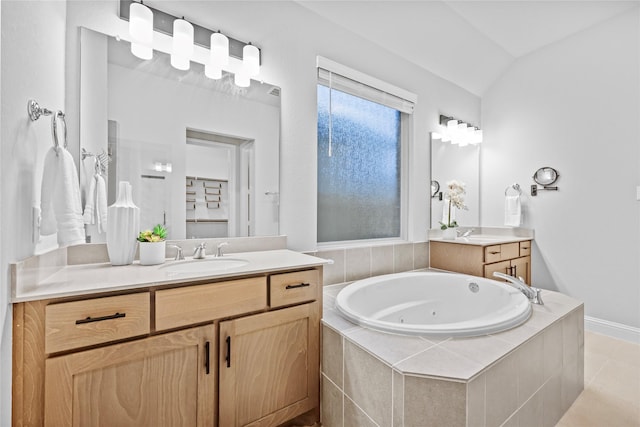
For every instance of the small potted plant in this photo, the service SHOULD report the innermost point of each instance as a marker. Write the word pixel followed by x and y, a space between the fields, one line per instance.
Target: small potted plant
pixel 152 245
pixel 454 198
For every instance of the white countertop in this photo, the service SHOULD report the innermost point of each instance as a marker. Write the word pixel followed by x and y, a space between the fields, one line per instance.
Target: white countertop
pixel 482 240
pixel 75 280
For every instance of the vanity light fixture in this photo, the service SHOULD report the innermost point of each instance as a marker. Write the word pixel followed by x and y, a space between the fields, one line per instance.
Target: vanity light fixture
pixel 141 30
pixel 222 53
pixel 457 132
pixel 182 44
pixel 162 167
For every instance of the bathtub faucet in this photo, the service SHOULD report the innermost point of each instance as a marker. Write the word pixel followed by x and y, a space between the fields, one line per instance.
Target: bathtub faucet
pixel 533 294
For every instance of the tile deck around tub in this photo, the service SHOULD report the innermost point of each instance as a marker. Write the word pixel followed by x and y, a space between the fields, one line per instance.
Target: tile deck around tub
pixel 532 372
pixel 452 358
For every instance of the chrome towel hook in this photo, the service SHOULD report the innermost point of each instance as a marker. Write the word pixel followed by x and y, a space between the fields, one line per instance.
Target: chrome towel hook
pixel 35 111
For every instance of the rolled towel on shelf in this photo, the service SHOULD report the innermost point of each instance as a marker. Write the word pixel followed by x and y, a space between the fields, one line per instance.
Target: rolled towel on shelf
pixel 512 211
pixel 60 198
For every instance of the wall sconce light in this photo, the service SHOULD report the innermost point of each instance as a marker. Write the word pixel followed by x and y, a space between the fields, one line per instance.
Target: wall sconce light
pixel 223 53
pixel 457 132
pixel 141 30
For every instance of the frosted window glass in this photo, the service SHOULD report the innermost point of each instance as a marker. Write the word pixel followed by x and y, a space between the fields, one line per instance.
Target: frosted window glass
pixel 359 184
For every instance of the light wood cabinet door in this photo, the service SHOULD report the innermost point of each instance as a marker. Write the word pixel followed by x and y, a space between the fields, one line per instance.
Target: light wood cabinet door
pixel 521 267
pixel 164 380
pixel 269 366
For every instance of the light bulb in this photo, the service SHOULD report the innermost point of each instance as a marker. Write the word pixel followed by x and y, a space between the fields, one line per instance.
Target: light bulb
pixel 219 51
pixel 241 80
pixel 182 44
pixel 141 30
pixel 212 71
pixel 251 60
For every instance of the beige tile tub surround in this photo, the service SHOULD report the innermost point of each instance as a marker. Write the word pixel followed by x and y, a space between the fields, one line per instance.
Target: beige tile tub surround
pixel 529 375
pixel 350 264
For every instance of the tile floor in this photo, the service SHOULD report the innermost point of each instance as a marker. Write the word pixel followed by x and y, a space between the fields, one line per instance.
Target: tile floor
pixel 611 396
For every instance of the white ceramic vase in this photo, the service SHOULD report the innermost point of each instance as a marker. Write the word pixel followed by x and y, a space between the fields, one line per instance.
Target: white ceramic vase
pixel 449 234
pixel 152 253
pixel 123 225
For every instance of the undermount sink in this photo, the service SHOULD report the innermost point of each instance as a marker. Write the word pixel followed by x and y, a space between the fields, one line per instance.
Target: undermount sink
pixel 483 238
pixel 202 266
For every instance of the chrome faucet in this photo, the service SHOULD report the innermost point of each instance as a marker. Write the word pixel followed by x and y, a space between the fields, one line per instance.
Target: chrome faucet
pixel 219 252
pixel 533 294
pixel 200 251
pixel 467 233
pixel 179 254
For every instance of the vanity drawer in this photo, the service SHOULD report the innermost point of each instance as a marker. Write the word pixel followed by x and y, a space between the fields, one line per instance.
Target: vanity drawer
pixel 501 252
pixel 292 288
pixel 202 303
pixel 525 248
pixel 94 321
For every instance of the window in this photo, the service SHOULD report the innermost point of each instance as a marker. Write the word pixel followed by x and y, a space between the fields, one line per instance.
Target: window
pixel 360 139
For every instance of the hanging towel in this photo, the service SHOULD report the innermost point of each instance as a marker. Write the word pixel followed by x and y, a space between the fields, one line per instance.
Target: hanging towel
pixel 101 204
pixel 89 216
pixel 60 198
pixel 512 211
pixel 95 208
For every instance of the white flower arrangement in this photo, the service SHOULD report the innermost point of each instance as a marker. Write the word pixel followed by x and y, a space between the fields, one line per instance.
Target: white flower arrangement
pixel 455 195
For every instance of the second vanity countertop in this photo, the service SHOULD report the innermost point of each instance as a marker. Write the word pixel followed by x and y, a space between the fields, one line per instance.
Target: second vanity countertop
pixel 485 236
pixel 75 280
pixel 482 240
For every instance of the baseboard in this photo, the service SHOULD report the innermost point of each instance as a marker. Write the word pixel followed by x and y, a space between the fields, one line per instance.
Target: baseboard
pixel 612 329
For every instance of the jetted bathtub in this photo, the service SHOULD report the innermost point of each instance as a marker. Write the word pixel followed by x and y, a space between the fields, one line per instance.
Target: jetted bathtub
pixel 434 304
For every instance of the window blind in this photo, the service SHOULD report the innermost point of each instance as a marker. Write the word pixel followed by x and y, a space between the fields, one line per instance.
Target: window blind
pixel 345 84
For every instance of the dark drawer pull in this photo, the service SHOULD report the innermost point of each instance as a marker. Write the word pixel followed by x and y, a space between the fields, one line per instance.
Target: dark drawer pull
pixel 100 319
pixel 301 285
pixel 228 358
pixel 493 252
pixel 207 357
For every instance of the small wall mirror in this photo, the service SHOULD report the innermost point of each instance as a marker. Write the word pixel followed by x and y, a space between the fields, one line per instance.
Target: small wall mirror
pixel 454 162
pixel 435 188
pixel 545 176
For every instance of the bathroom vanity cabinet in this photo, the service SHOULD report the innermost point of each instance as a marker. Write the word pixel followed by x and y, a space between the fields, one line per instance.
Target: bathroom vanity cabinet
pixel 234 352
pixel 483 259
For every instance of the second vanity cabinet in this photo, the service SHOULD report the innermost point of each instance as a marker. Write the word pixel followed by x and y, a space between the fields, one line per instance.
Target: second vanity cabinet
pixel 241 352
pixel 512 258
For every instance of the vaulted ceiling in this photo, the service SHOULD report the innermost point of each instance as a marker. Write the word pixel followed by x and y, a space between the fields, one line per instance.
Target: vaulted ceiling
pixel 470 43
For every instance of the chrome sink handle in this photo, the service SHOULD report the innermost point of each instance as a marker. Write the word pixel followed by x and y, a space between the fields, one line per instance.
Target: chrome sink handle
pixel 533 294
pixel 219 251
pixel 200 251
pixel 179 253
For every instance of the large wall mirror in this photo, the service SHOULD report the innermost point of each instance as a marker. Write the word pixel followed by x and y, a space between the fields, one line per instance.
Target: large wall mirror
pixel 454 162
pixel 201 155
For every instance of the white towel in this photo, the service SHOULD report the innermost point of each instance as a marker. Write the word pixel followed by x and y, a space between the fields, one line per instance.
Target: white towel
pixel 60 198
pixel 512 211
pixel 101 204
pixel 95 208
pixel 89 216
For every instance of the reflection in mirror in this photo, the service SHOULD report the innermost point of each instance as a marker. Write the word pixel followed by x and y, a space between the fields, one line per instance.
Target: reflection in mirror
pixel 202 155
pixel 461 163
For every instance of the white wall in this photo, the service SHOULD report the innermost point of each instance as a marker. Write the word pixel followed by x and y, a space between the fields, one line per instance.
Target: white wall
pixel 32 57
pixel 574 106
